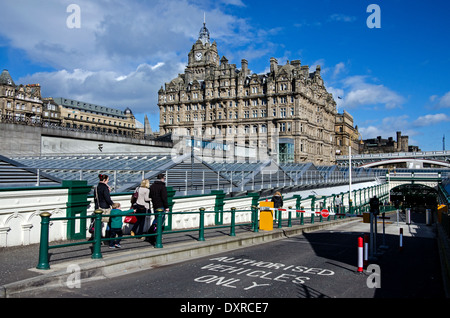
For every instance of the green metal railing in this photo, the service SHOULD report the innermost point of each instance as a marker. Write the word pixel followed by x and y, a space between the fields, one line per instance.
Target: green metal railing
pixel 97 240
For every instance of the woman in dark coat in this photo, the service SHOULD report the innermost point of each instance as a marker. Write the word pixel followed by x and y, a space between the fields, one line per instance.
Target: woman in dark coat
pixel 277 200
pixel 103 200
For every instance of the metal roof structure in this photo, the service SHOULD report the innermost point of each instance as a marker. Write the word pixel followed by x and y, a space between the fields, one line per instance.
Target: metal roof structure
pixel 187 174
pixel 12 175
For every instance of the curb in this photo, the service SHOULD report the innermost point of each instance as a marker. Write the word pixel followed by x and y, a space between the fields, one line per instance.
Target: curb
pixel 87 269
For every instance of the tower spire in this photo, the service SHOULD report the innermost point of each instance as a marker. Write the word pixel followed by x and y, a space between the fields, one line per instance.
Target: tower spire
pixel 204 32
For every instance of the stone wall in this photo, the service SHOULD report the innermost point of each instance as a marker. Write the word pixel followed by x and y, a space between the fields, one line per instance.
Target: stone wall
pixel 24 140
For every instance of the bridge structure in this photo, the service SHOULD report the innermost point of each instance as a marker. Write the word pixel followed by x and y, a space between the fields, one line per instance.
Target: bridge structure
pixel 409 160
pixel 422 190
pixel 429 179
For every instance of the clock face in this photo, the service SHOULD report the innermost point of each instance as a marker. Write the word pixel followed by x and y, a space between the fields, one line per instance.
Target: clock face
pixel 198 56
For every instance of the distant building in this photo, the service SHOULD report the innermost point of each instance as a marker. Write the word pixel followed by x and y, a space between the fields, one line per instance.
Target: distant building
pixel 379 145
pixel 346 135
pixel 19 103
pixel 91 117
pixel 23 104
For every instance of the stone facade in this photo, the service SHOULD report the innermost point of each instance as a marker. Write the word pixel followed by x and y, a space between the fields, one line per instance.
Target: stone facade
pixel 20 103
pixel 346 135
pixel 23 104
pixel 91 117
pixel 286 112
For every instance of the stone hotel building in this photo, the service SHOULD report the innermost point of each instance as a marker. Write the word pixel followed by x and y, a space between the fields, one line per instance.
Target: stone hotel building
pixel 287 112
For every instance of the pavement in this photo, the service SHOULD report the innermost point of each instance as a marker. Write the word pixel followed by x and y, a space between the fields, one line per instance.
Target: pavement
pixel 18 271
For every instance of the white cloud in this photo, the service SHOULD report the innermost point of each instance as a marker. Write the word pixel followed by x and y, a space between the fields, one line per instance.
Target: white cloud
pixel 114 34
pixel 342 18
pixel 438 102
pixel 123 52
pixel 388 127
pixel 137 89
pixel 444 101
pixel 237 3
pixel 361 93
pixel 338 69
pixel 429 120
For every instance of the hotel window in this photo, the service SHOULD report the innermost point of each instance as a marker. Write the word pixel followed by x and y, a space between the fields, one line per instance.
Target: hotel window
pixel 263 128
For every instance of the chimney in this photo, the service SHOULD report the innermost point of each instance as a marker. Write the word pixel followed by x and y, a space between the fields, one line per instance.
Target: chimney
pixel 273 65
pixel 244 65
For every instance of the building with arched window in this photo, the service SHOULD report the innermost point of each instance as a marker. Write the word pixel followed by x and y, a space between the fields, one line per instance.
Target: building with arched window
pixel 286 113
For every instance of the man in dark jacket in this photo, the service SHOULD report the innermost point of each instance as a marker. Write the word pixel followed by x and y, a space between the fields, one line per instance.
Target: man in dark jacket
pixel 158 193
pixel 374 205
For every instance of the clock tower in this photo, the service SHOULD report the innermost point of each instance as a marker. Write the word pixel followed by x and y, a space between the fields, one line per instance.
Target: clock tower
pixel 203 57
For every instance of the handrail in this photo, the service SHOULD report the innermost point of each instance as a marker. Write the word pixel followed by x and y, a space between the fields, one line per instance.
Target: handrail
pixel 44 247
pixel 43 263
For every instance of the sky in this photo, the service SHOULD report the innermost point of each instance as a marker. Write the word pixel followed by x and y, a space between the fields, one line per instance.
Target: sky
pixel 387 65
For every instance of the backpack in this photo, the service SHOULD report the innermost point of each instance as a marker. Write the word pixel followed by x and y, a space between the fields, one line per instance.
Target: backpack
pixel 135 196
pixel 92 225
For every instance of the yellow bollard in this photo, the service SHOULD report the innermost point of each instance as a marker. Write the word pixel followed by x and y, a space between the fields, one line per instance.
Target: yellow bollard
pixel 265 216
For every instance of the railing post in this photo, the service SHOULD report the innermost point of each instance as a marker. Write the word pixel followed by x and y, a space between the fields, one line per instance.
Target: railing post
pixel 280 214
pixel 255 218
pixel 159 227
pixel 233 222
pixel 302 216
pixel 96 251
pixel 289 217
pixel 201 229
pixel 43 247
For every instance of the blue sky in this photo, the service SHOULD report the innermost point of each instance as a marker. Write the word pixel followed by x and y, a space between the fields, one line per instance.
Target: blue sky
pixel 393 78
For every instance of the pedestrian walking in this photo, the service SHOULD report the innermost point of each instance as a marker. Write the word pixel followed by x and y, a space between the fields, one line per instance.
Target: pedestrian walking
pixel 142 207
pixel 158 194
pixel 277 200
pixel 116 224
pixel 338 203
pixel 103 201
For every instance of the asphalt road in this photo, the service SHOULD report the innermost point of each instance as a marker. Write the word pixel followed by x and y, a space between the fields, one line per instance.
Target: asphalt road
pixel 320 264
